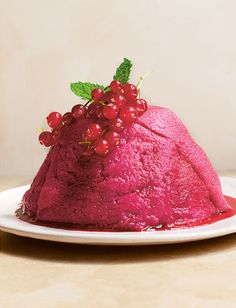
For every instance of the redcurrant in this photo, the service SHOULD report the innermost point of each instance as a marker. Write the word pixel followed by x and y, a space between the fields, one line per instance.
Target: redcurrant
pixel 117 125
pixel 54 119
pixel 46 139
pixel 118 100
pixel 141 106
pixel 79 111
pixel 101 147
pixel 67 118
pixel 93 132
pixel 115 86
pixel 128 114
pixel 110 111
pixel 130 91
pixel 113 138
pixel 96 94
pixel 95 110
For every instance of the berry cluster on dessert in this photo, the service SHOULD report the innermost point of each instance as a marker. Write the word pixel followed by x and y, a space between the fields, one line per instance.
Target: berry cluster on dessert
pixel 116 163
pixel 111 109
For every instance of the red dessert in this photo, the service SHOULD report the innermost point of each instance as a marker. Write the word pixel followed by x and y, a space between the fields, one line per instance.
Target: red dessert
pixel 150 174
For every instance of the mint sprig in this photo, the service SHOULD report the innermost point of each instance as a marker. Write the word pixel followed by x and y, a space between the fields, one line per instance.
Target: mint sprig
pixel 123 71
pixel 84 89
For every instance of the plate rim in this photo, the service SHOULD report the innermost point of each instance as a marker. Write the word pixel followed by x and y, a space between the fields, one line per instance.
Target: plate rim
pixel 25 229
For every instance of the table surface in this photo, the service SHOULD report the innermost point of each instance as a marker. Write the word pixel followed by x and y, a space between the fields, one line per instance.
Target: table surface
pixel 48 274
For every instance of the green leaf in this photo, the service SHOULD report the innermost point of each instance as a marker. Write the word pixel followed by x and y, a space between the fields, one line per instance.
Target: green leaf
pixel 123 71
pixel 84 89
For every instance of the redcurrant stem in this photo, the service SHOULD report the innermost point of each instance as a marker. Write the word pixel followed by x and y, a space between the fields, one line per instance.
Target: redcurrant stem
pixel 139 82
pixel 141 78
pixel 87 102
pixel 84 142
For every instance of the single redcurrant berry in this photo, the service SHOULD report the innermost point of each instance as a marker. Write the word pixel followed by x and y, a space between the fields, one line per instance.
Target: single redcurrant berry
pixel 96 94
pixel 56 133
pixel 101 147
pixel 95 110
pixel 115 86
pixel 79 111
pixel 99 111
pixel 113 138
pixel 118 100
pixel 91 110
pixel 67 118
pixel 130 91
pixel 128 114
pixel 141 106
pixel 46 139
pixel 54 119
pixel 93 132
pixel 117 125
pixel 110 111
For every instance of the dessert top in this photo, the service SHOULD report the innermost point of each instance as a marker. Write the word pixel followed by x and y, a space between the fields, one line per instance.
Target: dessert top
pixel 111 109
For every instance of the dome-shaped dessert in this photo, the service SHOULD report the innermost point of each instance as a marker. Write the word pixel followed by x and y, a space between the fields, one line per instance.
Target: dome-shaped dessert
pixel 157 176
pixel 117 164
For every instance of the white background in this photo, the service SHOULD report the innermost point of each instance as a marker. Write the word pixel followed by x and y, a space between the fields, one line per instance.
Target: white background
pixel 45 45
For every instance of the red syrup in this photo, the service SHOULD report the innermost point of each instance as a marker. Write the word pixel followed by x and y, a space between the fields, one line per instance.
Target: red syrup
pixel 68 226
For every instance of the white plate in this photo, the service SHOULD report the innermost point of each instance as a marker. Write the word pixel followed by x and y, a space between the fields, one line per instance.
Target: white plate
pixel 9 223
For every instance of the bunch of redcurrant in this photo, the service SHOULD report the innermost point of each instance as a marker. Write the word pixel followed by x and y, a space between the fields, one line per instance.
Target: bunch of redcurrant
pixel 111 110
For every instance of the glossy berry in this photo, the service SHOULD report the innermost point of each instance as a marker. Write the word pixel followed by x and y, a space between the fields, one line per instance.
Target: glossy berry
pixel 128 114
pixel 115 86
pixel 118 100
pixel 141 106
pixel 93 132
pixel 130 91
pixel 46 139
pixel 117 125
pixel 91 110
pixel 79 111
pixel 96 94
pixel 110 111
pixel 113 138
pixel 56 133
pixel 54 119
pixel 67 118
pixel 101 147
pixel 95 110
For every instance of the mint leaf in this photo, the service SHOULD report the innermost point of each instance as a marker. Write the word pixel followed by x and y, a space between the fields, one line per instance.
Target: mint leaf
pixel 123 71
pixel 84 89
